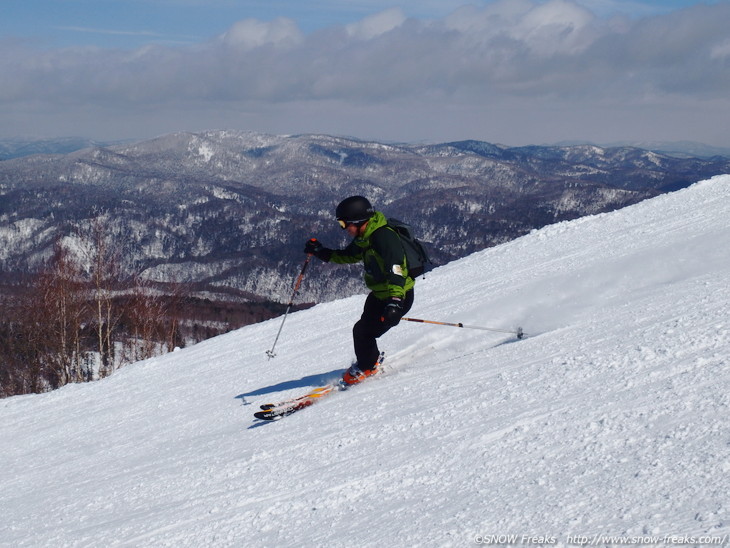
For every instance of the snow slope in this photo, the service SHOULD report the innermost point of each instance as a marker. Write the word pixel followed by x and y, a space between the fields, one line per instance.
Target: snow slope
pixel 611 418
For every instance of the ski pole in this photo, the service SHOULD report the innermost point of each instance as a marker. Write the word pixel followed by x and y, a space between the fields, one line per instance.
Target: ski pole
pixel 520 334
pixel 271 353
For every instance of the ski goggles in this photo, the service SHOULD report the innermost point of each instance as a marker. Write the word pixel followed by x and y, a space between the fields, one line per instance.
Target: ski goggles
pixel 345 224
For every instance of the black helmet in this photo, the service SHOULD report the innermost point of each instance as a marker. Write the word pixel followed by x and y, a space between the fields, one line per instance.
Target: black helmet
pixel 355 210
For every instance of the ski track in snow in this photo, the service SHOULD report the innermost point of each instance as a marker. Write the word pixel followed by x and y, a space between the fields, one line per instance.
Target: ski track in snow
pixel 611 417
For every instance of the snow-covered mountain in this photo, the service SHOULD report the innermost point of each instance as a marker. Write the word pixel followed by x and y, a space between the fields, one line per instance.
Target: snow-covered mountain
pixel 227 211
pixel 609 421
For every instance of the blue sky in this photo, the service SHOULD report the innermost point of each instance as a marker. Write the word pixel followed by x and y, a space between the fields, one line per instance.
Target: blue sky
pixel 511 71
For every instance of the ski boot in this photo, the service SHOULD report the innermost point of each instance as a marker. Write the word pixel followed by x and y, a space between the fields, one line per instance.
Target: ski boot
pixel 355 375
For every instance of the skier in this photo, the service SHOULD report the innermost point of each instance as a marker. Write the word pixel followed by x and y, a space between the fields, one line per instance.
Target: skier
pixel 386 275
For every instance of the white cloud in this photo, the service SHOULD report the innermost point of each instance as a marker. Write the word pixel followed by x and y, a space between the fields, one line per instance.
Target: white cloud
pixel 501 59
pixel 721 50
pixel 557 26
pixel 250 34
pixel 377 24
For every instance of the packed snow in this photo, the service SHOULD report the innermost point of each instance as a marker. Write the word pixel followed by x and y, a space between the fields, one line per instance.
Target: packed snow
pixel 609 424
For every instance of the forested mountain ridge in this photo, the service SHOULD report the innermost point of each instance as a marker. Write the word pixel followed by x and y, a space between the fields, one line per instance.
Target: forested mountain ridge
pixel 228 211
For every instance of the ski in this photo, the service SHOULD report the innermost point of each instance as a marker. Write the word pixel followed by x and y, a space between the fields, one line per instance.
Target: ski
pixel 277 411
pixel 315 393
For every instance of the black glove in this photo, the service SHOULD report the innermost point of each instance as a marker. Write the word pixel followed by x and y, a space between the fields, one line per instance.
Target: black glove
pixel 315 247
pixel 393 312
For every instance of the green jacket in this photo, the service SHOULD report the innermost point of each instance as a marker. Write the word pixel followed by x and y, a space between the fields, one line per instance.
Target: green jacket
pixel 382 254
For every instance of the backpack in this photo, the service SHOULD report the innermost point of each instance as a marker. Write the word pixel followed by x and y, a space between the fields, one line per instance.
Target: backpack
pixel 416 256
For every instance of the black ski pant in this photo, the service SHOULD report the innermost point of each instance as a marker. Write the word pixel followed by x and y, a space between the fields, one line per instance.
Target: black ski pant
pixel 370 326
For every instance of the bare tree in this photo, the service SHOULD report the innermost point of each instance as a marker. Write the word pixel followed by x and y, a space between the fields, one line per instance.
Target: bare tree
pixel 79 305
pixel 176 295
pixel 103 260
pixel 152 319
pixel 54 318
pixel 19 367
pixel 145 319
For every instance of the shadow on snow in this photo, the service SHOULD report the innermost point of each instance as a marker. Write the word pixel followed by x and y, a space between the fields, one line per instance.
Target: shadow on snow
pixel 304 382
